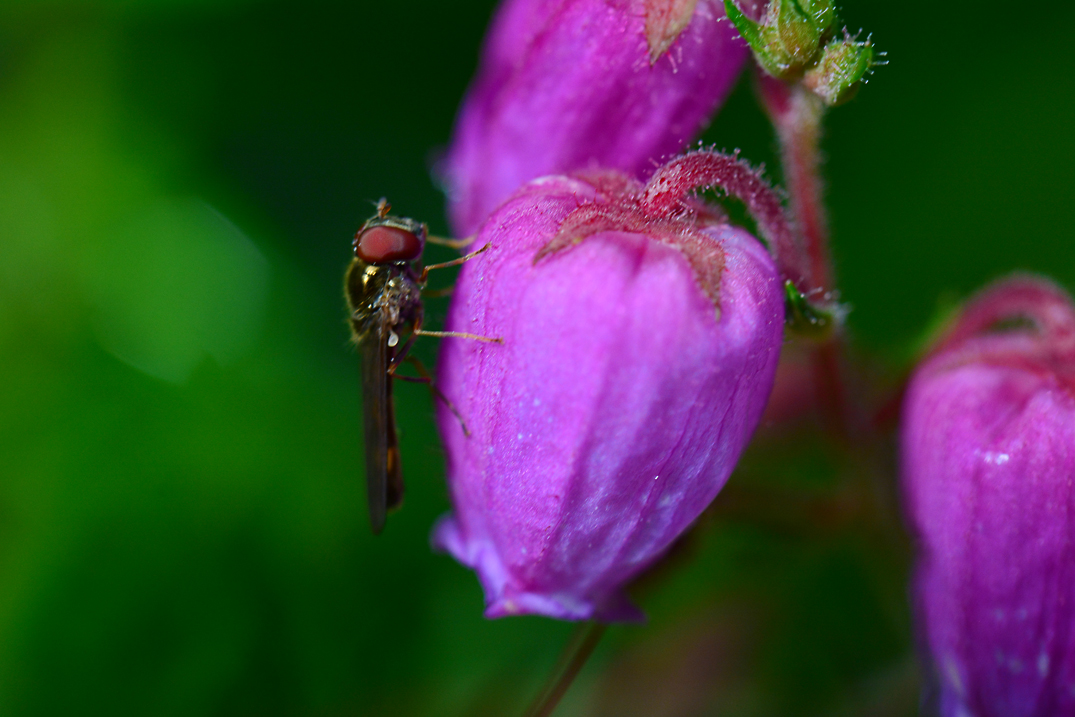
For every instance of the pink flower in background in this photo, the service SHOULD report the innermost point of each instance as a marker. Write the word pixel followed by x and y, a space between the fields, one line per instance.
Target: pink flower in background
pixel 641 335
pixel 572 84
pixel 988 442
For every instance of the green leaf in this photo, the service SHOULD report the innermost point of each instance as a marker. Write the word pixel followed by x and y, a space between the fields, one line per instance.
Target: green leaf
pixel 806 319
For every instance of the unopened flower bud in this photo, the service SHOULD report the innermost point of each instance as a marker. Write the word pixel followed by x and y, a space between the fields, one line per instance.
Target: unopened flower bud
pixel 640 339
pixel 840 71
pixel 988 444
pixel 569 85
pixel 790 36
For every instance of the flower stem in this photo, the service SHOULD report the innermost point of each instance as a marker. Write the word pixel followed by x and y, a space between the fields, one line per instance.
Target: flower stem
pixel 802 160
pixel 576 652
pixel 796 114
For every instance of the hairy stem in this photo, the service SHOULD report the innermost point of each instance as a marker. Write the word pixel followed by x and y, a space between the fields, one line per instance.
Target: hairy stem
pixel 796 114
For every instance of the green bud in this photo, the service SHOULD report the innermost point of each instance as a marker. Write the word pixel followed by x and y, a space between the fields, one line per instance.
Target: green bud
pixel 758 36
pixel 806 319
pixel 800 38
pixel 751 31
pixel 789 39
pixel 838 74
pixel 822 12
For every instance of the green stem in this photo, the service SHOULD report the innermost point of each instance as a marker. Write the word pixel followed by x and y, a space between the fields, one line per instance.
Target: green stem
pixel 576 652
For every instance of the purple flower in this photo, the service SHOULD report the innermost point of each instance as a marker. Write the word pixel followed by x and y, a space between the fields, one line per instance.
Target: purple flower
pixel 988 443
pixel 571 84
pixel 641 335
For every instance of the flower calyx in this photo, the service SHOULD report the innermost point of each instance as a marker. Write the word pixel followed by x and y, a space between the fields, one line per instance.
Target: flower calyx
pixel 666 210
pixel 1022 320
pixel 665 20
pixel 623 211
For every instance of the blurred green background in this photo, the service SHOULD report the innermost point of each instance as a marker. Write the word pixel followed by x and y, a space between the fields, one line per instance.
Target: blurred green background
pixel 182 527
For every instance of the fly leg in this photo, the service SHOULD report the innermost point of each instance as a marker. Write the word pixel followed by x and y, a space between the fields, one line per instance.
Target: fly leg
pixel 444 292
pixel 423 374
pixel 425 377
pixel 453 243
pixel 417 330
pixel 459 335
pixel 438 293
pixel 453 262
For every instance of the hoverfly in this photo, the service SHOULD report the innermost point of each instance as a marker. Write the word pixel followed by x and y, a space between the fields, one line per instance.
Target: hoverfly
pixel 383 286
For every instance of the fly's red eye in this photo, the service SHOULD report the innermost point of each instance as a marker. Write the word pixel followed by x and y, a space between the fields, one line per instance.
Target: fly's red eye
pixel 385 244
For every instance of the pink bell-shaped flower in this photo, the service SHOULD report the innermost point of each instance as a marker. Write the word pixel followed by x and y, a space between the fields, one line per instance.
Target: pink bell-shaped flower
pixel 640 338
pixel 988 443
pixel 575 84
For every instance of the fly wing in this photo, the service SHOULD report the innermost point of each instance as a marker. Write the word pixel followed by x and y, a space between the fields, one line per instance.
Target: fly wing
pixel 377 420
pixel 395 471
